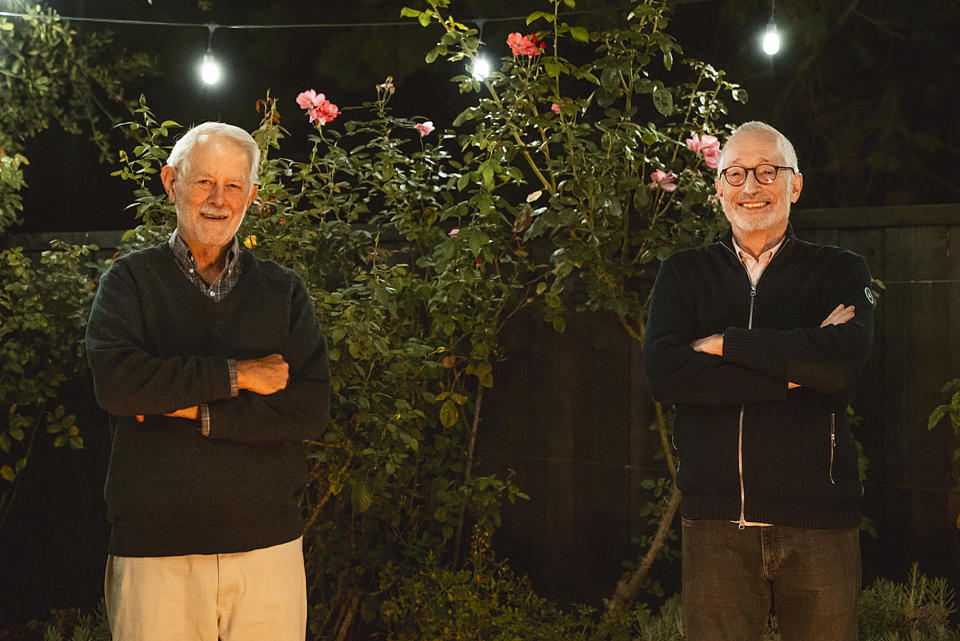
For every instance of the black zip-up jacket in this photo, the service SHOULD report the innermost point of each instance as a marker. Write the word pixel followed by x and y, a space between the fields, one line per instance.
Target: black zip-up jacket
pixel 749 448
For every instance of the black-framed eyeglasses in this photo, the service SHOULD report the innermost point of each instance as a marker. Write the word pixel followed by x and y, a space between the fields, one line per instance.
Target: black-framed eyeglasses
pixel 764 174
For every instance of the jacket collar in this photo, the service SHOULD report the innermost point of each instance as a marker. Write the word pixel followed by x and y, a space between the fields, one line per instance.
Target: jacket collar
pixel 727 240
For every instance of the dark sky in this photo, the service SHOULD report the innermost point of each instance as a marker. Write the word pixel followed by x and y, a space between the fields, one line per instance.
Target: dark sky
pixel 865 89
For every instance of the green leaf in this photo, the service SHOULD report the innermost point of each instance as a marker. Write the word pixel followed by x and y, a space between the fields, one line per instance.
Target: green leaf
pixel 662 99
pixel 409 12
pixel 7 473
pixel 552 67
pixel 424 19
pixel 448 413
pixel 361 498
pixel 936 415
pixel 477 241
pixel 579 33
pixel 740 95
pixel 540 15
pixel 610 79
pixel 431 55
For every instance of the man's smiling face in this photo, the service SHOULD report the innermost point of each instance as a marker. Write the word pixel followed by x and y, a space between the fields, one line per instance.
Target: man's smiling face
pixel 212 194
pixel 753 206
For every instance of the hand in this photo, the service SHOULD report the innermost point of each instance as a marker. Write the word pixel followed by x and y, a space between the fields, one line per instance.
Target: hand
pixel 189 413
pixel 840 315
pixel 263 375
pixel 712 344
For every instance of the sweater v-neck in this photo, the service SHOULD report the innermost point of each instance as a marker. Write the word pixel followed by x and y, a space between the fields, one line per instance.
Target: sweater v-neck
pixel 243 264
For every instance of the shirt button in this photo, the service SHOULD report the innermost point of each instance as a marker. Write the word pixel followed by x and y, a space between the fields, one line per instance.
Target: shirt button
pixel 213 293
pixel 191 270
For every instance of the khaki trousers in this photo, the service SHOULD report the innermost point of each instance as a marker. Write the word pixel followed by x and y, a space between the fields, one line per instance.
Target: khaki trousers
pixel 260 595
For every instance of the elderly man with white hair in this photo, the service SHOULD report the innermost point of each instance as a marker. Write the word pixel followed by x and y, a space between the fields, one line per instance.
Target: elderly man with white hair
pixel 759 340
pixel 213 364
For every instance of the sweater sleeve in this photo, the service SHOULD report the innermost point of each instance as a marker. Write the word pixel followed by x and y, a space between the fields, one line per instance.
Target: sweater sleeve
pixel 128 379
pixel 826 359
pixel 298 412
pixel 679 374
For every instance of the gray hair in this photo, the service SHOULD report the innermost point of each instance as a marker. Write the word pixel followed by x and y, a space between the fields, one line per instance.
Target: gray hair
pixel 179 157
pixel 784 146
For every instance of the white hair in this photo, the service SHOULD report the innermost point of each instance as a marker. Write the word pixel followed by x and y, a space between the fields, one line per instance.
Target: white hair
pixel 179 157
pixel 784 146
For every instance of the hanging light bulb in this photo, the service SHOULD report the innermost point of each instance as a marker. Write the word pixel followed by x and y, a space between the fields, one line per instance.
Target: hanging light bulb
pixel 771 37
pixel 481 68
pixel 771 40
pixel 210 70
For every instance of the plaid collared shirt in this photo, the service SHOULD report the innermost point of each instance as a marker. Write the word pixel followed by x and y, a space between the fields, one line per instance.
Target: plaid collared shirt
pixel 216 290
pixel 223 283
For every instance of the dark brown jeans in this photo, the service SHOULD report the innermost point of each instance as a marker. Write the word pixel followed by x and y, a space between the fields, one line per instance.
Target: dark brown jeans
pixel 732 577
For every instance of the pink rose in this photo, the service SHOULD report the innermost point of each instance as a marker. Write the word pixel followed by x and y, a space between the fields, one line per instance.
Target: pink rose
pixel 317 106
pixel 453 232
pixel 666 181
pixel 707 145
pixel 521 45
pixel 555 108
pixel 424 127
pixel 308 99
pixel 324 112
pixel 712 158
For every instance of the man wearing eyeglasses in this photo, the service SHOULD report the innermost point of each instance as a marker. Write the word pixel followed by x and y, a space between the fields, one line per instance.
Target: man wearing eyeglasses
pixel 759 339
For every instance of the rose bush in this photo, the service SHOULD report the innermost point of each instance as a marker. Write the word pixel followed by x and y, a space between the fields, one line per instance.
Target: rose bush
pixel 417 250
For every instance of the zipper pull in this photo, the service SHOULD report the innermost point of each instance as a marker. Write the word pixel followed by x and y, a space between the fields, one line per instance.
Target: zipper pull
pixel 742 523
pixel 753 291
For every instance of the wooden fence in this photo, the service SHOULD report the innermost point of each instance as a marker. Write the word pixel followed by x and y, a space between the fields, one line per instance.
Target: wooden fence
pixel 570 415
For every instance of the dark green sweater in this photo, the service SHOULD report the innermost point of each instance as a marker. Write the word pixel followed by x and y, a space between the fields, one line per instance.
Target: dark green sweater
pixel 156 344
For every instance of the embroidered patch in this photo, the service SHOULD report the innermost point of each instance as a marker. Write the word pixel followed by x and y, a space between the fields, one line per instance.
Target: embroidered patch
pixel 869 294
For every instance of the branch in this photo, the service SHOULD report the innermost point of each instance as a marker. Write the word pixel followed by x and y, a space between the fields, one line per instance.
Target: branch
pixel 468 474
pixel 627 588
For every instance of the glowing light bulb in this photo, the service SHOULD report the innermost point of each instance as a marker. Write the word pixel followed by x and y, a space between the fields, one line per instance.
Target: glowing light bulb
pixel 481 68
pixel 771 41
pixel 210 71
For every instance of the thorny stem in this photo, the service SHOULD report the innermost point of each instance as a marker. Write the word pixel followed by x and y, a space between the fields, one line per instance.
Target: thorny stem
pixel 468 474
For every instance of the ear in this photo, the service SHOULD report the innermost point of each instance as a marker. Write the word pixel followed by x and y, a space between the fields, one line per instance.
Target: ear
pixel 168 176
pixel 796 185
pixel 253 194
pixel 718 185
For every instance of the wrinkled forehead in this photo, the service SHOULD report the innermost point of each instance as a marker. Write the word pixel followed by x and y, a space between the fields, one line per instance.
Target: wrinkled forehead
pixel 749 148
pixel 213 149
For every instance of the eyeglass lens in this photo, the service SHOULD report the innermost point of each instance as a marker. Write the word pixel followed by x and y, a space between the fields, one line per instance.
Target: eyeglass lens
pixel 737 175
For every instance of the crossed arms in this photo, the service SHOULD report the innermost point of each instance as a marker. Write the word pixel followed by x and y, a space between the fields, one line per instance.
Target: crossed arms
pixel 752 365
pixel 281 397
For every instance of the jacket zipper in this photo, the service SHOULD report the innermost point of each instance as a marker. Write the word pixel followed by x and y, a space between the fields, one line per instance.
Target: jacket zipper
pixel 742 522
pixel 833 443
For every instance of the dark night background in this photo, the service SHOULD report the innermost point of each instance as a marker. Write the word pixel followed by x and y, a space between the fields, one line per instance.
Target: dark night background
pixel 866 89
